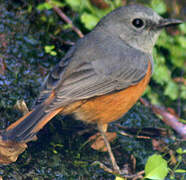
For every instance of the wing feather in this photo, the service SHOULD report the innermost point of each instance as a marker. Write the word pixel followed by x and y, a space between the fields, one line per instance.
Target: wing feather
pixel 77 78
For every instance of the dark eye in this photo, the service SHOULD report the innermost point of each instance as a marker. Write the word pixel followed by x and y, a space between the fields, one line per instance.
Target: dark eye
pixel 138 23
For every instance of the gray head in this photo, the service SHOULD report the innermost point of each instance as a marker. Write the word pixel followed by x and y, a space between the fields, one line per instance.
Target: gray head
pixel 137 25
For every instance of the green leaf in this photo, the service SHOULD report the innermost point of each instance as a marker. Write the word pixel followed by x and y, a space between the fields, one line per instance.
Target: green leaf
pixel 54 151
pixel 74 4
pixel 182 41
pixel 154 98
pixel 156 167
pixel 49 5
pixel 172 90
pixel 183 27
pixel 89 20
pixel 44 6
pixel 179 151
pixel 117 3
pixel 159 6
pixel 49 48
pixel 161 73
pixel 180 171
pixel 57 3
pixel 99 13
pixel 67 26
pixel 119 178
pixel 183 92
pixel 53 53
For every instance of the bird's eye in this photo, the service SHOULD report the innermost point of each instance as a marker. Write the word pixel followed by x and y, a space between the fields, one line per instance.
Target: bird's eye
pixel 138 23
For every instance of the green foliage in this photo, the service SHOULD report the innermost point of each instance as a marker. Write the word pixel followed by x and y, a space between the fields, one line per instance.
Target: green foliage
pixel 89 20
pixel 49 5
pixel 159 6
pixel 156 167
pixel 75 5
pixel 50 50
pixel 89 14
pixel 169 54
pixel 119 178
pixel 180 171
pixel 44 6
pixel 181 152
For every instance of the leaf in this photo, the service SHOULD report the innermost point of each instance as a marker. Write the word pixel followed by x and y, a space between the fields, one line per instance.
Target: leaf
pixel 74 4
pixel 99 13
pixel 179 151
pixel 182 40
pixel 159 6
pixel 183 27
pixel 161 74
pixel 49 5
pixel 154 98
pixel 98 142
pixel 57 3
pixel 172 90
pixel 89 20
pixel 119 178
pixel 180 171
pixel 53 53
pixel 44 6
pixel 156 167
pixel 49 48
pixel 183 92
pixel 118 3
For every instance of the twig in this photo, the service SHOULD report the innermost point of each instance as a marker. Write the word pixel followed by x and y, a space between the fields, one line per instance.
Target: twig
pixel 102 166
pixel 129 135
pixel 139 175
pixel 2 66
pixel 180 80
pixel 67 20
pixel 123 172
pixel 167 118
pixel 144 133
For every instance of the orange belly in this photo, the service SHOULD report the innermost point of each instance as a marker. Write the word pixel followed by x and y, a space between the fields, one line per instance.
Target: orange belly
pixel 110 107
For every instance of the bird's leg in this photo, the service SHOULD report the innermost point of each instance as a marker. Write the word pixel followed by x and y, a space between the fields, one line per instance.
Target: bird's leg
pixel 103 128
pixel 116 170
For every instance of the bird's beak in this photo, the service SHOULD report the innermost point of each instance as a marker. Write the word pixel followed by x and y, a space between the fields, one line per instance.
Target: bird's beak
pixel 168 22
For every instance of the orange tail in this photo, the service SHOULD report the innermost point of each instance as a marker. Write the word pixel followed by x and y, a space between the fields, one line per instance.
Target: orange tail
pixel 26 127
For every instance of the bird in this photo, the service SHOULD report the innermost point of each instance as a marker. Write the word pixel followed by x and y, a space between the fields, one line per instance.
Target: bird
pixel 99 79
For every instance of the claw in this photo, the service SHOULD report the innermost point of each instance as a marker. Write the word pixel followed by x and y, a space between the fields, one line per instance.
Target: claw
pixel 121 173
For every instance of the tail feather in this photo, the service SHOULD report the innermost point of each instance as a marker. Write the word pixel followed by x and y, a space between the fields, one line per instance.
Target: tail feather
pixel 26 127
pixel 21 130
pixel 27 135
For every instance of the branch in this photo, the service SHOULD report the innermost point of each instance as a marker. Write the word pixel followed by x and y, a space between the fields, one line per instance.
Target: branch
pixel 180 80
pixel 66 19
pixel 167 118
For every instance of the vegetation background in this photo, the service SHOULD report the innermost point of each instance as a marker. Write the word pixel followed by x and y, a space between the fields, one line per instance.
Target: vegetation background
pixel 33 38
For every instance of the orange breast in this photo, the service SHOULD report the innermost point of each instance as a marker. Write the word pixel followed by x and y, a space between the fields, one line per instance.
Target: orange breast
pixel 108 108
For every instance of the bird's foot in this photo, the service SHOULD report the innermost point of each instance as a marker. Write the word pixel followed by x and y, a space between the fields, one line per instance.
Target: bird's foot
pixel 119 172
pixel 115 170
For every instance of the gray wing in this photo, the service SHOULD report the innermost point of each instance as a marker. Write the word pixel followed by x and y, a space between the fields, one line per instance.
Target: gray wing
pixel 94 71
pixel 54 78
